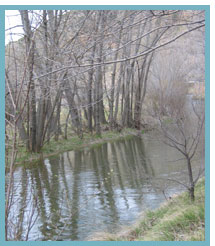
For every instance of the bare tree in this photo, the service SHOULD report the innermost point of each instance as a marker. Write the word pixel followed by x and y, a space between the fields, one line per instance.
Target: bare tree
pixel 180 118
pixel 178 135
pixel 116 49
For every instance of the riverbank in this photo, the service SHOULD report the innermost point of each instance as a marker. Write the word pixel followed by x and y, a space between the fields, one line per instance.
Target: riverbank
pixel 72 143
pixel 179 219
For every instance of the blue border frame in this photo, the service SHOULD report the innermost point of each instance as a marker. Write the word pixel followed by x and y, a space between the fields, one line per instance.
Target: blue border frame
pixel 207 121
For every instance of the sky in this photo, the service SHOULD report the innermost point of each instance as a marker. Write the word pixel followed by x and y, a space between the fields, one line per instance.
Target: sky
pixel 12 26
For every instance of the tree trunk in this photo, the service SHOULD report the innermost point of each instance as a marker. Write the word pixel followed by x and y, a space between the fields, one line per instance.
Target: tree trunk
pixel 190 174
pixel 58 126
pixel 98 79
pixel 118 94
pixel 72 107
pixel 32 91
pixel 113 77
pixel 129 65
pixel 89 91
pixel 66 125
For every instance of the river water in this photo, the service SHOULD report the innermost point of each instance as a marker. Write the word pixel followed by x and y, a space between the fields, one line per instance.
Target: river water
pixel 75 194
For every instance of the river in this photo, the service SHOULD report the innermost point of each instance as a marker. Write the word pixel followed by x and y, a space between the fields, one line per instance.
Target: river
pixel 75 194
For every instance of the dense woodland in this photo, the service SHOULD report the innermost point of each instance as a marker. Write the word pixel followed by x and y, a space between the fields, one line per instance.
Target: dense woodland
pixel 87 69
pixel 86 72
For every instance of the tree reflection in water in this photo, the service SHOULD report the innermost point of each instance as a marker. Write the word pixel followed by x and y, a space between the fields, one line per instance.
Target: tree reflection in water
pixel 81 192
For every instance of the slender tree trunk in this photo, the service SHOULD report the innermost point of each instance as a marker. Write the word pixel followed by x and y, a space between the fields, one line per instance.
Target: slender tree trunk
pixel 129 65
pixel 41 116
pixel 30 63
pixel 113 77
pixel 72 108
pixel 58 126
pixel 66 125
pixel 98 78
pixel 122 98
pixel 89 92
pixel 118 94
pixel 127 102
pixel 33 112
pixel 192 185
pixel 101 104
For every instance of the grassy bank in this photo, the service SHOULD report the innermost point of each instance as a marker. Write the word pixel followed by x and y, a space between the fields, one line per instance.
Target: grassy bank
pixel 177 220
pixel 72 143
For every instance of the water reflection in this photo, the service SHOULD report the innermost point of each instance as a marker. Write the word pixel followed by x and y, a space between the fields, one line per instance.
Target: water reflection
pixel 81 192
